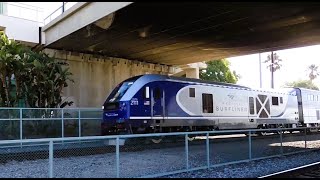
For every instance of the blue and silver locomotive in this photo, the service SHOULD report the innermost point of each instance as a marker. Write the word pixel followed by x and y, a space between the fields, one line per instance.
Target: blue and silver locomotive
pixel 159 103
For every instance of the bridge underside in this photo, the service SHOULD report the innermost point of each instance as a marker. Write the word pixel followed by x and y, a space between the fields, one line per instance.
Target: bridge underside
pixel 182 33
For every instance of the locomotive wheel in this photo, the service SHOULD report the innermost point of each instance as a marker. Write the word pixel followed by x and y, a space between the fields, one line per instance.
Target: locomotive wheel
pixel 262 133
pixel 191 138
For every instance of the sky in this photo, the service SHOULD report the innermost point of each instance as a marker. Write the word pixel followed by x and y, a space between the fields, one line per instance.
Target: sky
pixel 295 64
pixel 295 61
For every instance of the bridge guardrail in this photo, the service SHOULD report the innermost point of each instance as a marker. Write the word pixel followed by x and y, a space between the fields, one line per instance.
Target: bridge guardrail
pixel 65 6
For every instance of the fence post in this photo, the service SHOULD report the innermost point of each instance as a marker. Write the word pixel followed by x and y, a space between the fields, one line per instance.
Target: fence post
pixel 250 145
pixel 79 121
pixel 50 159
pixel 117 157
pixel 20 123
pixel 62 123
pixel 186 150
pixel 281 148
pixel 305 138
pixel 208 151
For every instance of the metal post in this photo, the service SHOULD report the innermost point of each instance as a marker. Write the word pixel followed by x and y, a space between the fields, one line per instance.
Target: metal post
pixel 62 7
pixel 281 148
pixel 272 62
pixel 50 159
pixel 79 122
pixel 20 123
pixel 208 151
pixel 62 123
pixel 186 150
pixel 117 158
pixel 260 70
pixel 250 146
pixel 305 138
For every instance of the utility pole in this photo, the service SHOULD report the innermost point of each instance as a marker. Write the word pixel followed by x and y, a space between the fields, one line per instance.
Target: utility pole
pixel 272 70
pixel 260 70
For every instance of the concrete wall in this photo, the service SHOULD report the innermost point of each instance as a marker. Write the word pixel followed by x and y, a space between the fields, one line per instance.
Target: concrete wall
pixel 95 77
pixel 189 70
pixel 20 29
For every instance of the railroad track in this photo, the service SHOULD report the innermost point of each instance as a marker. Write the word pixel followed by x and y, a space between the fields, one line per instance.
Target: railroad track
pixel 306 171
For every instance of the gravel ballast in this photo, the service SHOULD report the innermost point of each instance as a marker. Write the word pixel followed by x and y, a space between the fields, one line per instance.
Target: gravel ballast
pixel 253 169
pixel 164 160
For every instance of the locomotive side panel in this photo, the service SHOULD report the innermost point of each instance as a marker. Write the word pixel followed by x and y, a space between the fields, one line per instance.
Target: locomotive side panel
pixel 275 108
pixel 225 107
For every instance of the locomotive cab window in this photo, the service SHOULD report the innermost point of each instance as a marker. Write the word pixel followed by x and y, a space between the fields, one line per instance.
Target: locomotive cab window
pixel 192 92
pixel 120 90
pixel 281 100
pixel 207 103
pixel 275 101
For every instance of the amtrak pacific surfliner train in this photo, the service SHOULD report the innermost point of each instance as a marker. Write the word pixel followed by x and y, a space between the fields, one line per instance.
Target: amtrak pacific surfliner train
pixel 159 103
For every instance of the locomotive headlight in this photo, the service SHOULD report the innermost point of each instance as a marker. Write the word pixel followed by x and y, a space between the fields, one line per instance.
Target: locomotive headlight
pixel 102 107
pixel 123 106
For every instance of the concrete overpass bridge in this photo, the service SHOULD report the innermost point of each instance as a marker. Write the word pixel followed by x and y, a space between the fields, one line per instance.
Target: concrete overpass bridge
pixel 182 33
pixel 107 42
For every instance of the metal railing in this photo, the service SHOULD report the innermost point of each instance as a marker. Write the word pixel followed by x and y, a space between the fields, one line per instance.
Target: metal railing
pixel 65 6
pixel 23 11
pixel 26 123
pixel 190 151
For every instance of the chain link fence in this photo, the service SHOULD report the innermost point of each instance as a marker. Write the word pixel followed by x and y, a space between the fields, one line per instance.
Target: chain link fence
pixel 147 155
pixel 33 123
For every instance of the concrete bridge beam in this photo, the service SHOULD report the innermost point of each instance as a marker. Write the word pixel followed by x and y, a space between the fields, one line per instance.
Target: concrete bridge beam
pixel 79 16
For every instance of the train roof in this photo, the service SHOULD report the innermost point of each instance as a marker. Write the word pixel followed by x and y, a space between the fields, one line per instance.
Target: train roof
pixel 157 77
pixel 141 80
pixel 205 81
pixel 184 79
pixel 309 90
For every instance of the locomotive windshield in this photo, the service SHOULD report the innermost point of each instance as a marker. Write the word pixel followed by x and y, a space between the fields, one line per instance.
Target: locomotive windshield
pixel 112 102
pixel 121 89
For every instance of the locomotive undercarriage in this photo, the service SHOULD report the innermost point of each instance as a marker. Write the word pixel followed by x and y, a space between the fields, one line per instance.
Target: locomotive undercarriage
pixel 127 128
pixel 314 127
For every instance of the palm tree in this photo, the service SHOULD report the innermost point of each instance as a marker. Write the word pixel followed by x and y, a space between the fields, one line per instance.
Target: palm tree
pixel 313 72
pixel 274 65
